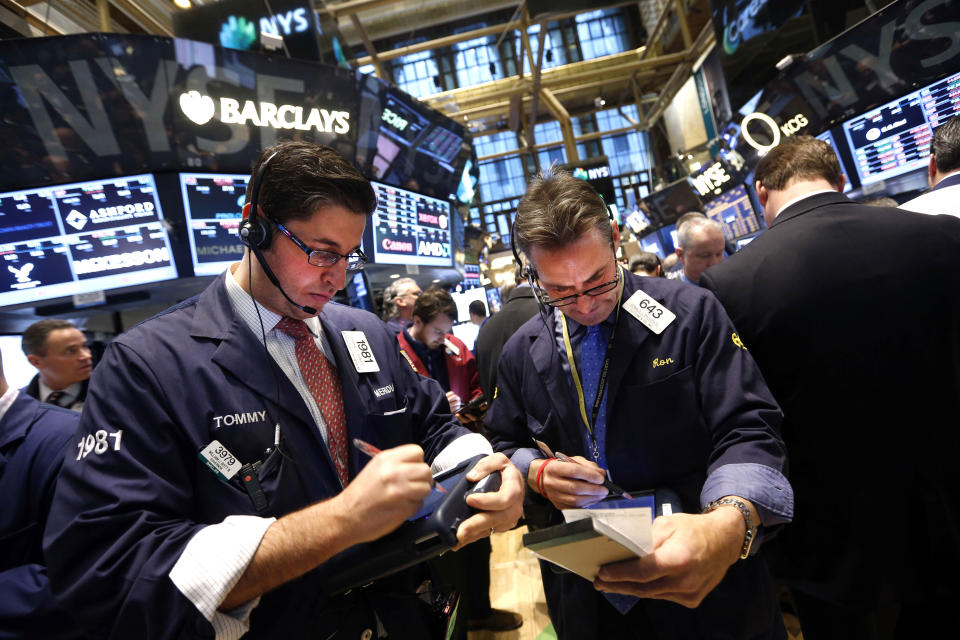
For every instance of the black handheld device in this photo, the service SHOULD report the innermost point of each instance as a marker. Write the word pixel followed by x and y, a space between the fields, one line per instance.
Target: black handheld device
pixel 429 533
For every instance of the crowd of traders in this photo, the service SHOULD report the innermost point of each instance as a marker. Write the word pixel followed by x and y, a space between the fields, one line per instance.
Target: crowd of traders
pixel 833 338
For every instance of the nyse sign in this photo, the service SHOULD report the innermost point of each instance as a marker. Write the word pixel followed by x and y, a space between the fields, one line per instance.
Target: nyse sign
pixel 109 107
pixel 711 179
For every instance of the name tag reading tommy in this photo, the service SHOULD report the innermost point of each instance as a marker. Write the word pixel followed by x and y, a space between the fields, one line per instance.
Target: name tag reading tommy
pixel 220 460
pixel 650 312
pixel 360 351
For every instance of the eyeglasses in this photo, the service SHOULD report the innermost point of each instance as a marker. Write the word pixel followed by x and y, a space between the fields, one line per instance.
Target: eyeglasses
pixel 600 289
pixel 322 257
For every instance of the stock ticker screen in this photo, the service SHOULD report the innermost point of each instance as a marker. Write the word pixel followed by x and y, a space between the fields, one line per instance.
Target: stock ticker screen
pixel 213 204
pixel 734 211
pixel 410 228
pixel 895 138
pixel 80 238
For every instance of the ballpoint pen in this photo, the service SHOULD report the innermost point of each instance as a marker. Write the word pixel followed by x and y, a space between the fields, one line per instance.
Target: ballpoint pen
pixel 607 482
pixel 366 448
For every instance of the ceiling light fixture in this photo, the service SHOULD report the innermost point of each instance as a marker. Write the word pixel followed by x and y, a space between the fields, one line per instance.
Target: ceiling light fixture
pixel 183 4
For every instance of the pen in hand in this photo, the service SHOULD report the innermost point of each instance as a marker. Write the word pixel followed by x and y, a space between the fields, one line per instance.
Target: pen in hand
pixel 607 482
pixel 368 449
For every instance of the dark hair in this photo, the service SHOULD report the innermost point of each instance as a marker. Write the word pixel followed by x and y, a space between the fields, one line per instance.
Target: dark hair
pixel 35 337
pixel 646 261
pixel 432 303
pixel 303 176
pixel 556 210
pixel 477 308
pixel 799 158
pixel 946 145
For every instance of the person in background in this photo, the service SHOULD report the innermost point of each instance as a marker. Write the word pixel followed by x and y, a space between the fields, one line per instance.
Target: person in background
pixel 519 305
pixel 671 267
pixel 478 312
pixel 700 245
pixel 33 440
pixel 863 353
pixel 943 173
pixel 684 408
pixel 63 360
pixel 645 264
pixel 220 484
pixel 434 352
pixel 398 300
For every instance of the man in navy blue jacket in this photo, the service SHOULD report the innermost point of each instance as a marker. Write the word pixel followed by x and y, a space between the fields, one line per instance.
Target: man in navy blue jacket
pixel 226 483
pixel 33 439
pixel 646 378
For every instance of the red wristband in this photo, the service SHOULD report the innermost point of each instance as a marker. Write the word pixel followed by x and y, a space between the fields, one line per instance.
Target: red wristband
pixel 540 488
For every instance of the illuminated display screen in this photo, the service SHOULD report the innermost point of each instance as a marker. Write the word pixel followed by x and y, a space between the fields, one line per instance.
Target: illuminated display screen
pixel 651 243
pixel 213 203
pixel 895 138
pixel 82 237
pixel 827 137
pixel 410 228
pixel 734 211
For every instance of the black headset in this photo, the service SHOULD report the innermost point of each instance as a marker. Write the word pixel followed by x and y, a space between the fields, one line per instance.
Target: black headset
pixel 255 231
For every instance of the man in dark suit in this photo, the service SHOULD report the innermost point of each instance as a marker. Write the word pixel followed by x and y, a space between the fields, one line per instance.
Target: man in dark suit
pixel 684 408
pixel 853 314
pixel 63 360
pixel 519 307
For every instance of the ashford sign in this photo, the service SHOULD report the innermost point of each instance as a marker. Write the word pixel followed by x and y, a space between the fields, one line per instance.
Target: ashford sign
pixel 201 109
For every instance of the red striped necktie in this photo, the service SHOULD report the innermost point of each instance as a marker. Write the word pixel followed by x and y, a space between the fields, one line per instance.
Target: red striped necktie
pixel 324 385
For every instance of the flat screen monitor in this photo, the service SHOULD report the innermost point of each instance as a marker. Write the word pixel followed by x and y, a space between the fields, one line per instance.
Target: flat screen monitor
pixel 827 137
pixel 744 241
pixel 467 332
pixel 668 236
pixel 16 368
pixel 733 210
pixel 213 203
pixel 895 138
pixel 673 201
pixel 653 244
pixel 358 291
pixel 81 238
pixel 410 228
pixel 494 304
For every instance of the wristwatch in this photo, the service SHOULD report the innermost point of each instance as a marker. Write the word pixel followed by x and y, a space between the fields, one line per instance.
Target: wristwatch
pixel 751 532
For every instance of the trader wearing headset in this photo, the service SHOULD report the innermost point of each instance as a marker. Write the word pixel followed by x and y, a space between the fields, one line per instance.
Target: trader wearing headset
pixel 643 379
pixel 219 482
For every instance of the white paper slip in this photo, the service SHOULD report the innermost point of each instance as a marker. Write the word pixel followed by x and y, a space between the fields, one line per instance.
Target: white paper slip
pixel 360 351
pixel 635 524
pixel 649 311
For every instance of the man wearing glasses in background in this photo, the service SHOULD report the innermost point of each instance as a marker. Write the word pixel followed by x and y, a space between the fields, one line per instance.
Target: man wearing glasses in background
pixel 214 478
pixel 646 378
pixel 398 300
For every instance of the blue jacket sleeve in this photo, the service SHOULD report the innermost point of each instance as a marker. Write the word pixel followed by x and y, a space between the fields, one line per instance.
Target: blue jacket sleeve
pixel 120 515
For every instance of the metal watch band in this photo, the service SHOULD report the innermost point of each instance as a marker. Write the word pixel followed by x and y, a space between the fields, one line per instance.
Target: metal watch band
pixel 751 532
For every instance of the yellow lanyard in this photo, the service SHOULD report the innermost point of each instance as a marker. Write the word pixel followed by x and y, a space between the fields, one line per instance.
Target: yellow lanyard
pixel 573 365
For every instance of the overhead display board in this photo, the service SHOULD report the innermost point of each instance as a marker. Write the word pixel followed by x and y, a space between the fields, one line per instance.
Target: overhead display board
pixel 409 228
pixel 895 138
pixel 734 211
pixel 82 237
pixel 213 204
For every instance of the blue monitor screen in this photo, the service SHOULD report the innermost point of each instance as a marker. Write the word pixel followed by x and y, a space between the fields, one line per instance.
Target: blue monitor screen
pixel 493 300
pixel 895 138
pixel 668 236
pixel 213 203
pixel 734 211
pixel 827 137
pixel 410 228
pixel 653 244
pixel 81 238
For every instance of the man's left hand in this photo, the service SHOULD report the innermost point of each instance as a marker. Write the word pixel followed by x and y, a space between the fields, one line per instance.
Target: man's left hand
pixel 499 511
pixel 691 554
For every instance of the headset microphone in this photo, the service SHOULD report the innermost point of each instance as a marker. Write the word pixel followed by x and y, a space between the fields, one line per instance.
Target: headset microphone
pixel 256 233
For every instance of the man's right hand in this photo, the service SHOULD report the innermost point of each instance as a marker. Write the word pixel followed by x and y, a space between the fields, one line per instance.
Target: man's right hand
pixel 569 485
pixel 389 489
